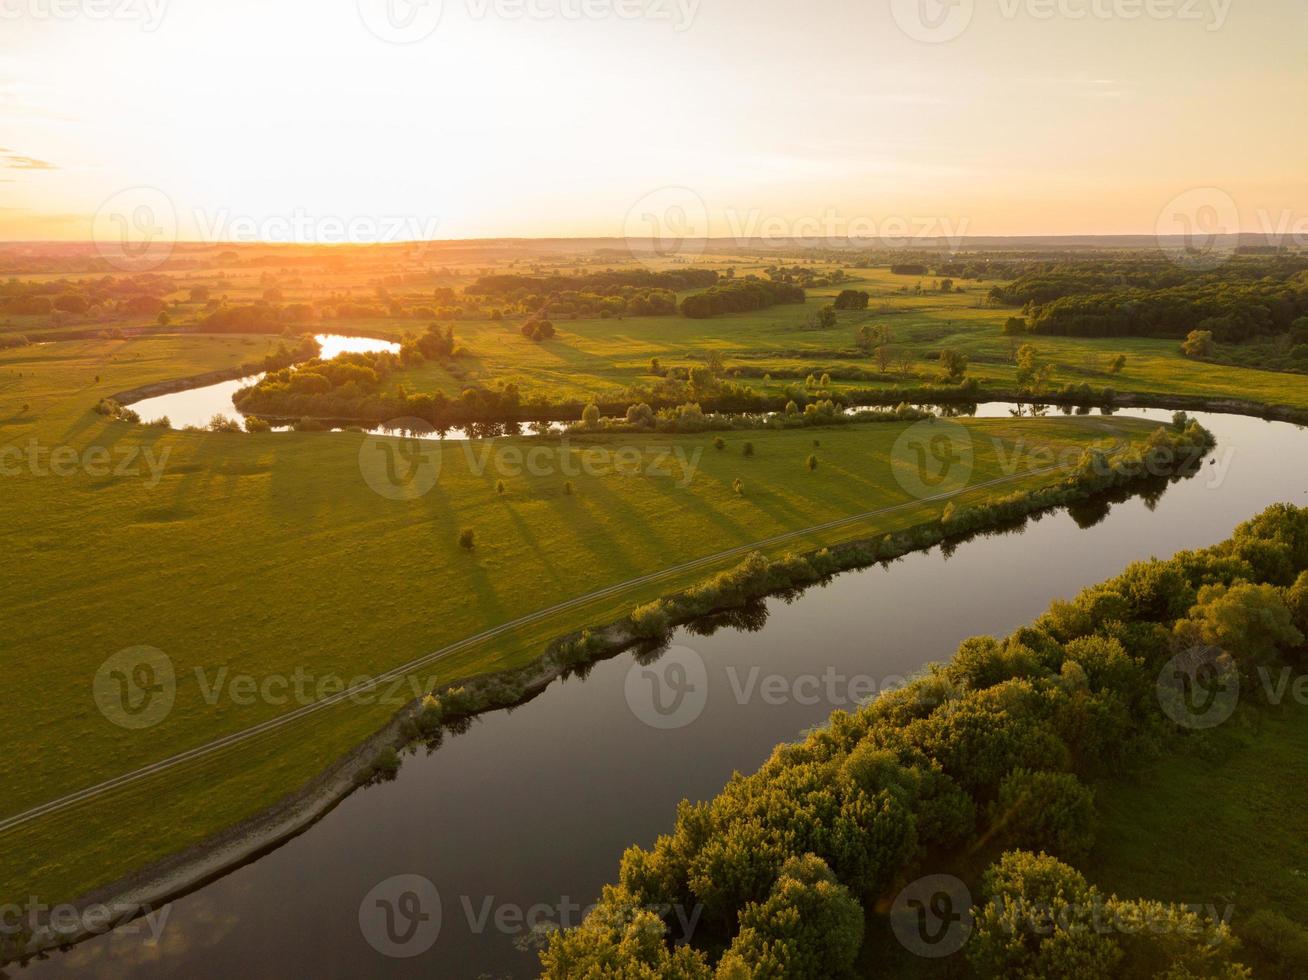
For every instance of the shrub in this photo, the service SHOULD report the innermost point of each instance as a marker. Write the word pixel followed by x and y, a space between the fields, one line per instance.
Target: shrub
pixel 812 463
pixel 747 449
pixel 719 443
pixel 738 487
pixel 467 539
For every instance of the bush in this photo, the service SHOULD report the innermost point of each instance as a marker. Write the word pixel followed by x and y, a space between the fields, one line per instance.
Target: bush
pixel 747 449
pixel 467 539
pixel 811 463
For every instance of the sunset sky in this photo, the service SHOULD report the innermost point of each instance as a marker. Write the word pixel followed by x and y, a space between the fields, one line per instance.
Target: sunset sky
pixel 256 111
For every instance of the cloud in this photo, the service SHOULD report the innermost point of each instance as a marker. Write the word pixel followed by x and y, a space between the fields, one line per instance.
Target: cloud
pixel 16 161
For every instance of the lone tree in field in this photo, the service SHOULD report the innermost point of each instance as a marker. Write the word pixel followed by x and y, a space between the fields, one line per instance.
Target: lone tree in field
pixel 954 364
pixel 1198 344
pixel 884 355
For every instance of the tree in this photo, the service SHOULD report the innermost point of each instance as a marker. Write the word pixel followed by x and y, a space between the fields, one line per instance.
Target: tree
pixel 809 928
pixel 1037 920
pixel 1116 365
pixel 946 285
pixel 1031 373
pixel 655 368
pixel 884 355
pixel 852 299
pixel 1199 343
pixel 590 416
pixel 811 463
pixel 1026 364
pixel 467 539
pixel 1250 622
pixel 1015 326
pixel 538 330
pixel 954 364
pixel 620 938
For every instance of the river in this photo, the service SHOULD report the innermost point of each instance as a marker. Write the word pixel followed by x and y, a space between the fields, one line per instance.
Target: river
pixel 525 816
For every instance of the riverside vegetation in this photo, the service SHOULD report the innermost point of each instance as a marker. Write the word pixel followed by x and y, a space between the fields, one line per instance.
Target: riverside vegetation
pixel 998 751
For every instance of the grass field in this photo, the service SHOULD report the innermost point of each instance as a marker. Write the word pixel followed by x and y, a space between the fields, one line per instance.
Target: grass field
pixel 265 554
pixel 1242 786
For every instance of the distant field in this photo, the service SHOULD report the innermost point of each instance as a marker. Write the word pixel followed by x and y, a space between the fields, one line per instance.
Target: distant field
pixel 264 554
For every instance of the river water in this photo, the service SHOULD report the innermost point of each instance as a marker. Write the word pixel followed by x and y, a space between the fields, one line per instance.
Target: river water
pixel 522 818
pixel 198 406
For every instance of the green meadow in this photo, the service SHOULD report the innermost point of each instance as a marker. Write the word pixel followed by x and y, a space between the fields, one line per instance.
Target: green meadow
pixel 262 555
pixel 594 358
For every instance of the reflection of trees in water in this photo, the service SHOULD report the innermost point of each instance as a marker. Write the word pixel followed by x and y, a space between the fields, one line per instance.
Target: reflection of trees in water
pixel 749 618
